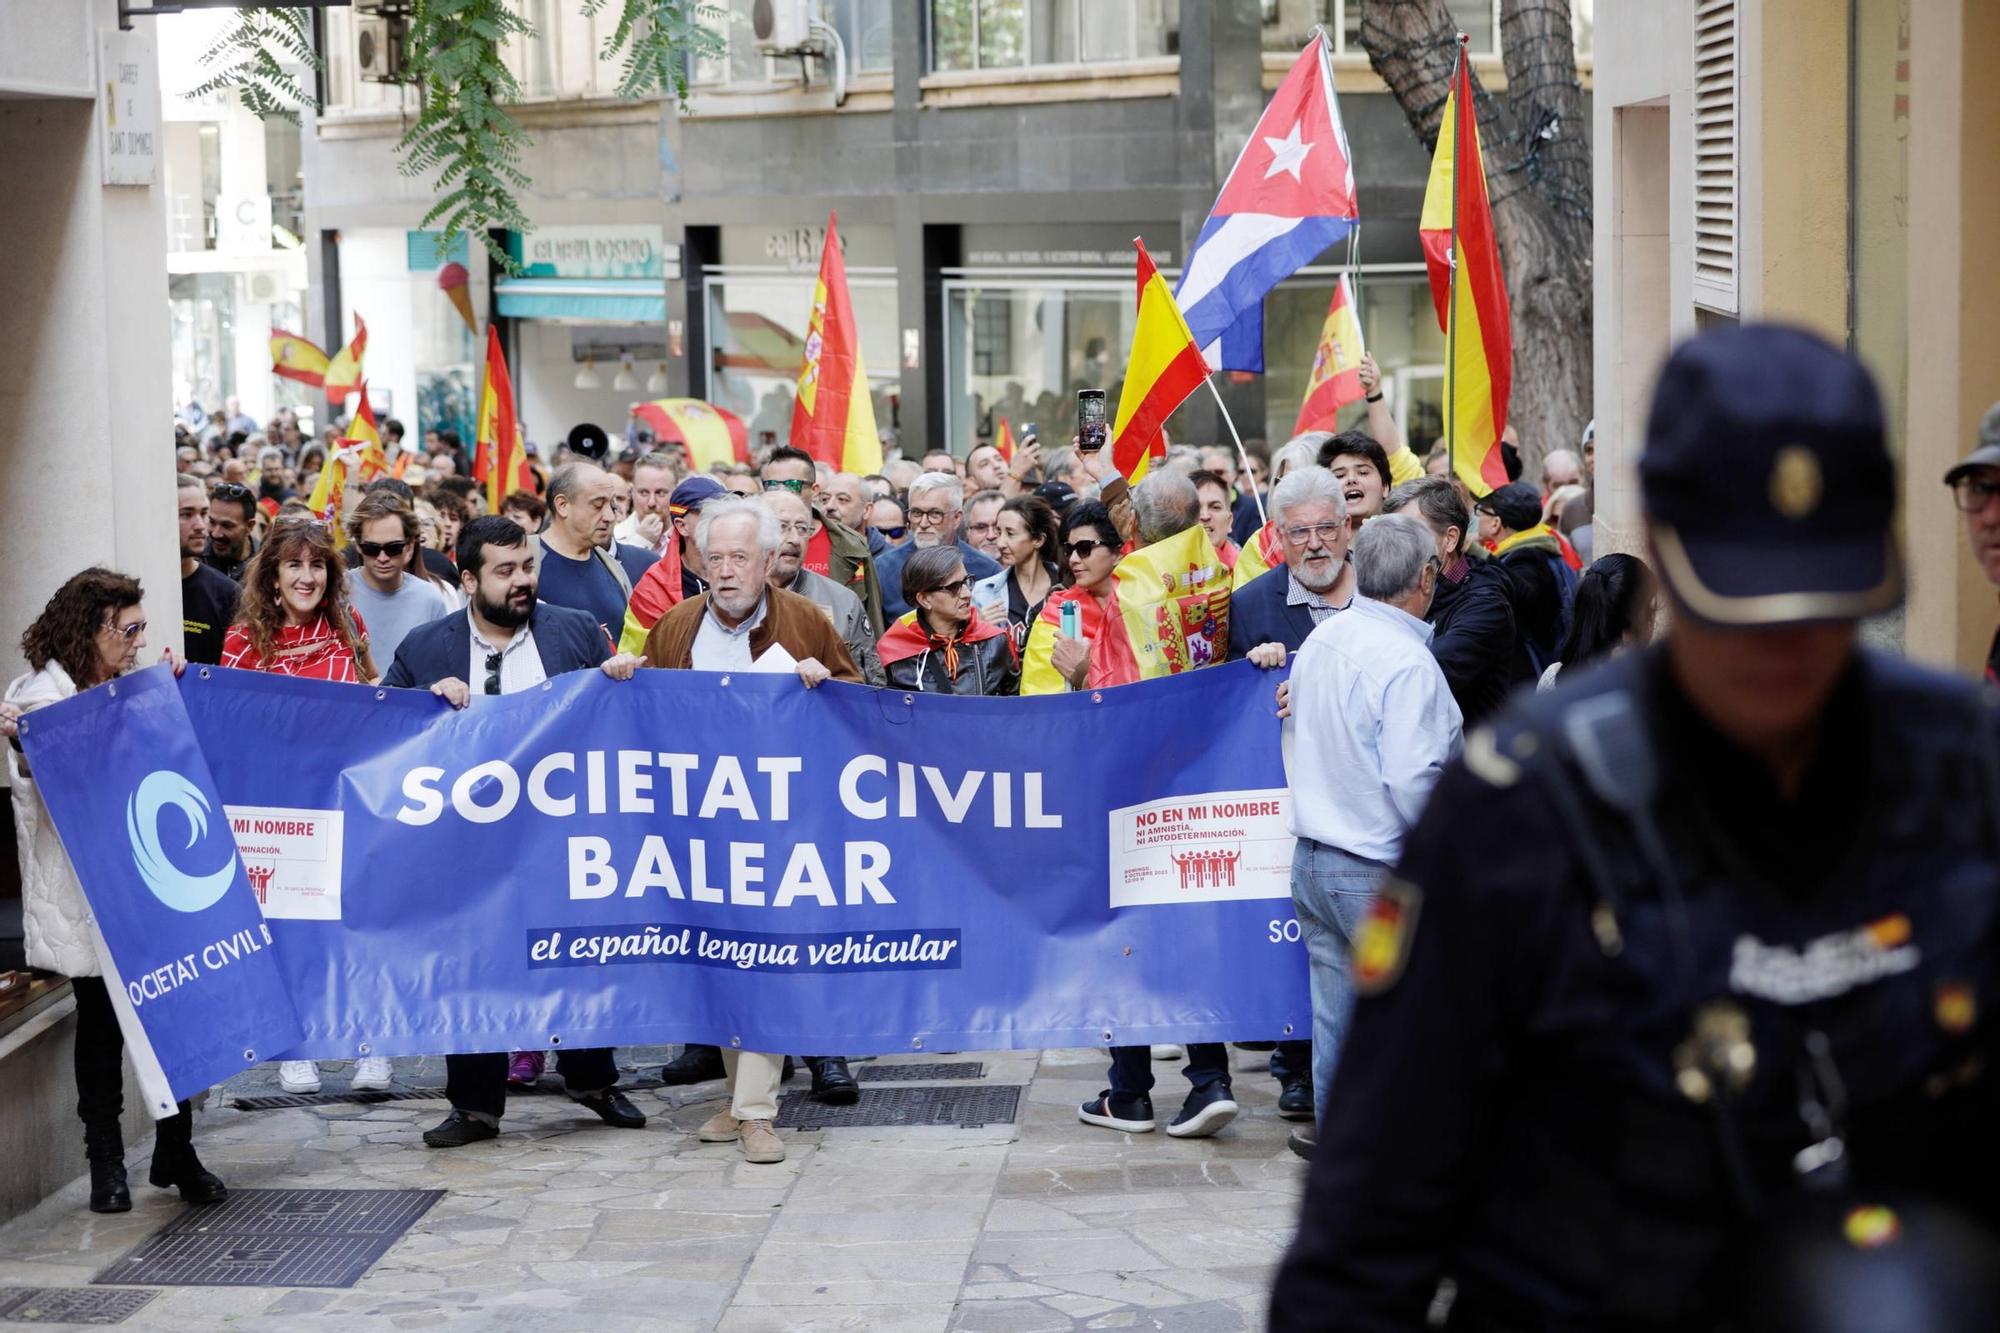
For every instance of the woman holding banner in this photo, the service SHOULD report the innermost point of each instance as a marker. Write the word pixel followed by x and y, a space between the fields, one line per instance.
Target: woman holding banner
pixel 295 620
pixel 92 630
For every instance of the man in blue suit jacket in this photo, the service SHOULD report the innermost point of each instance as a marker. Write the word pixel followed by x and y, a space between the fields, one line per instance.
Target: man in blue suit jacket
pixel 504 641
pixel 1269 617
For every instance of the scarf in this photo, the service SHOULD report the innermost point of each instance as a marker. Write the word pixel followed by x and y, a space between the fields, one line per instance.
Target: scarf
pixel 911 635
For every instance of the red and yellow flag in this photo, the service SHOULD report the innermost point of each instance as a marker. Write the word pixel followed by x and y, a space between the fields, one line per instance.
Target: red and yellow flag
pixel 1262 553
pixel 710 434
pixel 833 418
pixel 293 358
pixel 343 374
pixel 1336 373
pixel 1470 293
pixel 500 458
pixel 371 462
pixel 1164 367
pixel 1003 440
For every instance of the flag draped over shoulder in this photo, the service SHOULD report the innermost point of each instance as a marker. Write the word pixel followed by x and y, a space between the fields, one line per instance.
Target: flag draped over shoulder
pixel 1336 371
pixel 1173 599
pixel 1264 551
pixel 833 418
pixel 1289 196
pixel 294 358
pixel 343 374
pixel 1165 366
pixel 501 459
pixel 1470 293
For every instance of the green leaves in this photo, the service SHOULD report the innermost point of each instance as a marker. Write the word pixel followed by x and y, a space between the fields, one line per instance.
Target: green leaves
pixel 453 54
pixel 247 58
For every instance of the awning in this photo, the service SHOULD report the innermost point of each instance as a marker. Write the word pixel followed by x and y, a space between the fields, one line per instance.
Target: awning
pixel 585 300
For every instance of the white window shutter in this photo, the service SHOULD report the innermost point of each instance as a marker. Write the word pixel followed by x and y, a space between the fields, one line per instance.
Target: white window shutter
pixel 1715 155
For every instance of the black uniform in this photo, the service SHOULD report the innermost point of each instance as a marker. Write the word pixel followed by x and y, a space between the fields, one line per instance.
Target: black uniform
pixel 1524 1105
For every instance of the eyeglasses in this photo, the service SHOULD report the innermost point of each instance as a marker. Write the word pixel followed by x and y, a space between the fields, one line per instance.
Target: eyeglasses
pixel 953 588
pixel 924 517
pixel 1307 533
pixel 493 673
pixel 231 490
pixel 1974 493
pixel 796 528
pixel 1087 548
pixel 128 632
pixel 893 534
pixel 394 550
pixel 795 487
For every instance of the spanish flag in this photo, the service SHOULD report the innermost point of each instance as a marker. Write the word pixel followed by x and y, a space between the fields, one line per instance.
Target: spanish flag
pixel 343 374
pixel 833 418
pixel 1264 551
pixel 710 434
pixel 293 358
pixel 1470 293
pixel 1164 367
pixel 371 462
pixel 1336 372
pixel 500 459
pixel 1003 440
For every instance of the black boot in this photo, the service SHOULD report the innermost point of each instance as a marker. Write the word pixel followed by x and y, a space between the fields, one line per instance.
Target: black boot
pixel 695 1064
pixel 104 1145
pixel 176 1167
pixel 833 1085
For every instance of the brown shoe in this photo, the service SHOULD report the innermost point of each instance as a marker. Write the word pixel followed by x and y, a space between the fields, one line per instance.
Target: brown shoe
pixel 721 1127
pixel 761 1142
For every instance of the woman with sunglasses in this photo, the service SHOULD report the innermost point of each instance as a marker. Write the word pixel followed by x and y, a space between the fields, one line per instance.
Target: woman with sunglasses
pixel 295 619
pixel 90 632
pixel 1099 655
pixel 1029 546
pixel 942 646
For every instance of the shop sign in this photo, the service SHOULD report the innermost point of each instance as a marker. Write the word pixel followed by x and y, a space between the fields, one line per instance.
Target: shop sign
pixel 128 107
pixel 593 252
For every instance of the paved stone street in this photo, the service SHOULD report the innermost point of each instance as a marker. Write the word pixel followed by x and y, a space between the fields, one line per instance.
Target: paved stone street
pixel 564 1224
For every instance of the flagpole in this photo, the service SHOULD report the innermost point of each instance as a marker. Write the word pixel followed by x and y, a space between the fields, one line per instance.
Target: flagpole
pixel 1451 334
pixel 1242 456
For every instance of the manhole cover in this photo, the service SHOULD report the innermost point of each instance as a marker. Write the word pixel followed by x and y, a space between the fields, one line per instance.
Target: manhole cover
pixel 275 1238
pixel 70 1305
pixel 930 1073
pixel 967 1108
pixel 284 1101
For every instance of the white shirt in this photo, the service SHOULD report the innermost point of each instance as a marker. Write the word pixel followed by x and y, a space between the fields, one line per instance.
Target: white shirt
pixel 717 647
pixel 1375 725
pixel 520 662
pixel 627 532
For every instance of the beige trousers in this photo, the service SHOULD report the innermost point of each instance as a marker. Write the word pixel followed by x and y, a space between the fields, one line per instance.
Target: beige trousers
pixel 753 1083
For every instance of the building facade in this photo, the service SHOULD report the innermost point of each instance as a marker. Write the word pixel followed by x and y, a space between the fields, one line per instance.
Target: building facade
pixel 1775 159
pixel 990 165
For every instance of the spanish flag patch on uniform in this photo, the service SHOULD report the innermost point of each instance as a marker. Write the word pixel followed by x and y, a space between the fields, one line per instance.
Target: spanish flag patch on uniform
pixel 1382 945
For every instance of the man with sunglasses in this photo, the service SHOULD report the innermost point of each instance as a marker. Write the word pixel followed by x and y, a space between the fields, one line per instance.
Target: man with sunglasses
pixel 507 641
pixel 232 511
pixel 834 550
pixel 1975 487
pixel 392 601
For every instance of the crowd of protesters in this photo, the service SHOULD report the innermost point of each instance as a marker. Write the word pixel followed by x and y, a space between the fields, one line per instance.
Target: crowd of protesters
pixel 1410 612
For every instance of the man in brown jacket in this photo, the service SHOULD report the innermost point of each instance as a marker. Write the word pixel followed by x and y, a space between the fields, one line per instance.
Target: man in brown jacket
pixel 743 624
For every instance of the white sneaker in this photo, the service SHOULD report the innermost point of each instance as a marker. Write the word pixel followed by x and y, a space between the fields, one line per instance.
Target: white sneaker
pixel 298 1076
pixel 1168 1053
pixel 371 1073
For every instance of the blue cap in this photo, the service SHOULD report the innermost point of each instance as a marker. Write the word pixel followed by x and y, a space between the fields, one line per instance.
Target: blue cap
pixel 1769 489
pixel 692 494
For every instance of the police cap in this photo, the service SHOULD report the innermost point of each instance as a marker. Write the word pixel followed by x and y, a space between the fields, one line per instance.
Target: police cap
pixel 1768 485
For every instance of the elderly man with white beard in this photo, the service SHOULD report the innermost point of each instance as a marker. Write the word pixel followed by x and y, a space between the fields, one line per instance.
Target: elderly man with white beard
pixel 746 623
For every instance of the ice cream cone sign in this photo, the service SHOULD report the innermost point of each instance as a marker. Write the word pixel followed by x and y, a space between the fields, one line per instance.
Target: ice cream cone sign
pixel 452 282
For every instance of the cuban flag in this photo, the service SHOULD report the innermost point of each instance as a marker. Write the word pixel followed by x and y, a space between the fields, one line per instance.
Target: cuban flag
pixel 1289 197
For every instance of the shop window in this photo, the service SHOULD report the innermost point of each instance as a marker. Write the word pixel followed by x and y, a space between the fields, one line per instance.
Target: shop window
pixel 756 329
pixel 1006 34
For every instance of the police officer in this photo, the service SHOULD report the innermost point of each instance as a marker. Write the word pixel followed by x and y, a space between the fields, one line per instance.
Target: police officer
pixel 1729 976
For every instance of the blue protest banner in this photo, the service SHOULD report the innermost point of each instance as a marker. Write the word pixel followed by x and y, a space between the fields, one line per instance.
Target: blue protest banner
pixel 190 956
pixel 735 859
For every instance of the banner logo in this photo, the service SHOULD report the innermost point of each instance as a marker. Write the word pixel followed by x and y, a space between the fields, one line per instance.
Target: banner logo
pixel 161 788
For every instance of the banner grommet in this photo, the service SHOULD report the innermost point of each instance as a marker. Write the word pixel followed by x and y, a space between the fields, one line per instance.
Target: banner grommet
pixel 204 673
pixel 916 1043
pixel 554 1040
pixel 249 1057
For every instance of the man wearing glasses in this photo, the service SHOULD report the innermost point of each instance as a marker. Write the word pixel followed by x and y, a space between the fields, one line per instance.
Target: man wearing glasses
pixel 392 601
pixel 937 504
pixel 232 510
pixel 1975 485
pixel 834 550
pixel 504 643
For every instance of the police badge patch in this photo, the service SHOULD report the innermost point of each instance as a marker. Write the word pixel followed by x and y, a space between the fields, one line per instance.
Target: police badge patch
pixel 1382 944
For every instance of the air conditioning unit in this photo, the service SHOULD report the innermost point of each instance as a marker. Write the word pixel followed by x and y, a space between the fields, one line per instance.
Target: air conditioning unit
pixel 262 288
pixel 378 47
pixel 783 27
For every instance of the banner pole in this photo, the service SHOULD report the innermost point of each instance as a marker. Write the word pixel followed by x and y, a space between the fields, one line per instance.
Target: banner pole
pixel 1451 334
pixel 1242 455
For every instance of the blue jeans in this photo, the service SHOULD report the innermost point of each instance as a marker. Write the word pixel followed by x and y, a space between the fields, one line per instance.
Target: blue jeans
pixel 1132 1068
pixel 1331 891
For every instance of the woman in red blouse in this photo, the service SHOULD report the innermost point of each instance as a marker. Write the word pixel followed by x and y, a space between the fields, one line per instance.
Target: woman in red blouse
pixel 295 618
